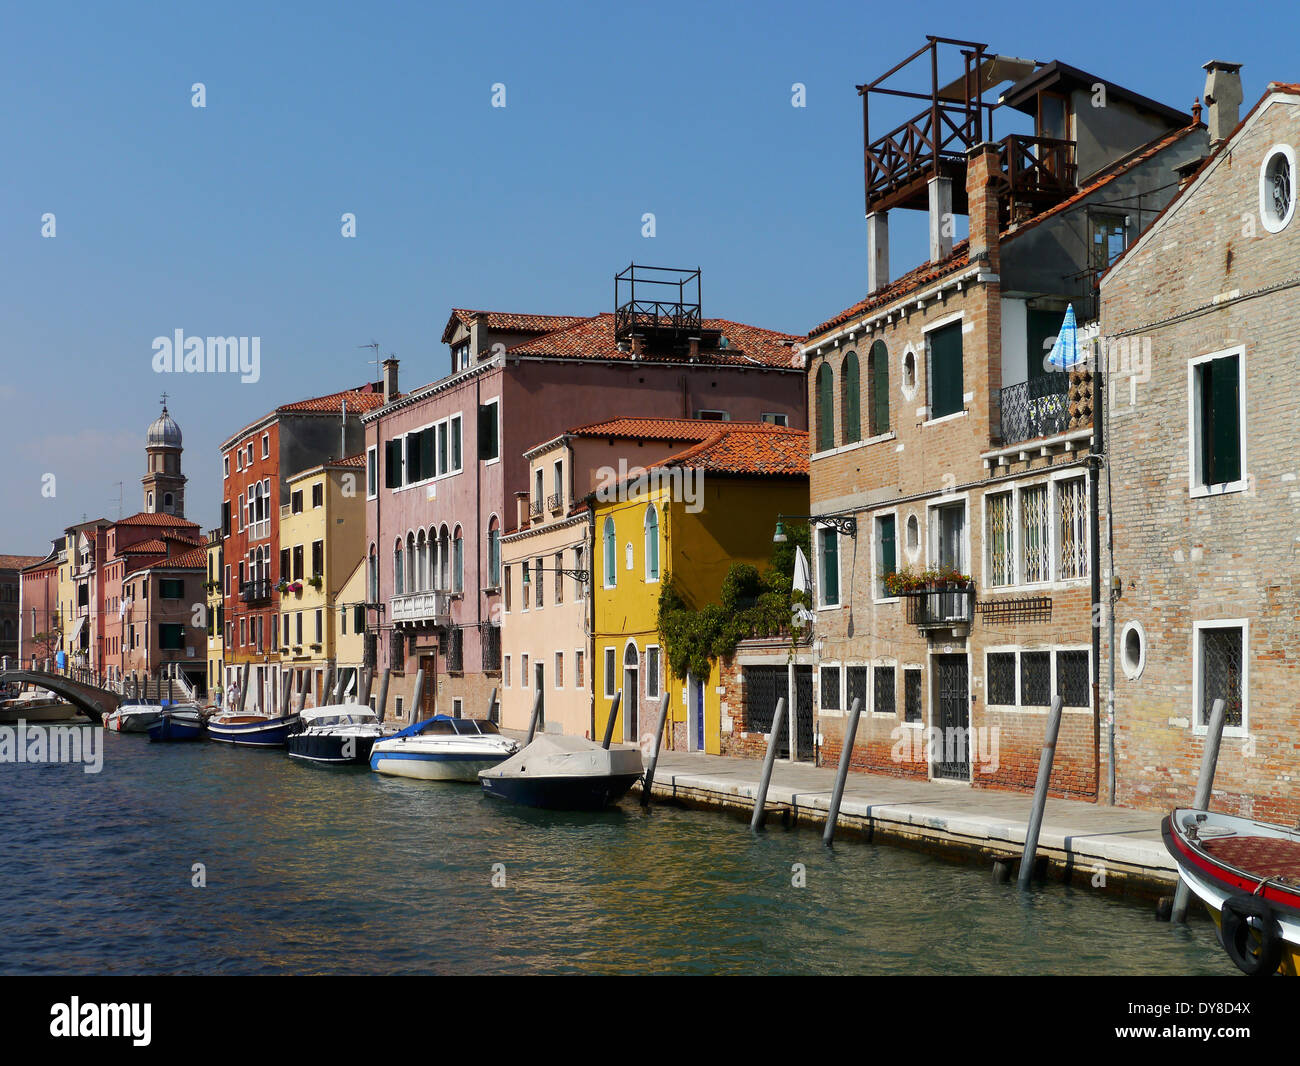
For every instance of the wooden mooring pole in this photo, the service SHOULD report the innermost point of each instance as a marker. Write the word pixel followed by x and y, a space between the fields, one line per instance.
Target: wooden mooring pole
pixel 532 721
pixel 841 775
pixel 760 801
pixel 243 689
pixel 417 696
pixel 1040 794
pixel 1204 786
pixel 609 725
pixel 649 781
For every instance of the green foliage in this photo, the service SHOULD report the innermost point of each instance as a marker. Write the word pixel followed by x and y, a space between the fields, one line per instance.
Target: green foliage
pixel 753 605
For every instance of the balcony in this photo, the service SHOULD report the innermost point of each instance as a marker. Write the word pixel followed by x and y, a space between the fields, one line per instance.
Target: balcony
pixel 553 502
pixel 941 607
pixel 1046 406
pixel 421 608
pixel 258 591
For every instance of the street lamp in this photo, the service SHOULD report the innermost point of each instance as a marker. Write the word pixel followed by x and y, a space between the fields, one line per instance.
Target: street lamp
pixel 577 575
pixel 845 525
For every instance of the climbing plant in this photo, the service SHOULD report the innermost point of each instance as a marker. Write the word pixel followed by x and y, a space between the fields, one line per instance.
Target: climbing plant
pixel 753 604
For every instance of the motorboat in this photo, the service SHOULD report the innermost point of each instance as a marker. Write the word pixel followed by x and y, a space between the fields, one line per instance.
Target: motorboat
pixel 442 748
pixel 1248 874
pixel 252 729
pixel 339 734
pixel 37 705
pixel 565 773
pixel 181 721
pixel 134 716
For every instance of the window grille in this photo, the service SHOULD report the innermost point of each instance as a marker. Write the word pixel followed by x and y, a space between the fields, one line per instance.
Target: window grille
pixel 1221 672
pixel 1001 558
pixel 1001 680
pixel 1072 682
pixel 1034 534
pixel 1072 505
pixel 856 676
pixel 831 688
pixel 884 690
pixel 912 695
pixel 1035 678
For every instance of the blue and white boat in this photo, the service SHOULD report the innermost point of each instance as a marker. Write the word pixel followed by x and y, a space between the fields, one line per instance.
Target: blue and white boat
pixel 253 730
pixel 442 748
pixel 340 734
pixel 133 716
pixel 182 721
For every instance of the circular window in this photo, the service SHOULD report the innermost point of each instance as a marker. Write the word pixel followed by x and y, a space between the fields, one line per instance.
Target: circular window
pixel 1277 187
pixel 1133 650
pixel 909 373
pixel 913 536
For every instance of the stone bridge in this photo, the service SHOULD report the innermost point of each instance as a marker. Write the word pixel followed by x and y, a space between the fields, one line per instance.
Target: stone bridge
pixel 91 700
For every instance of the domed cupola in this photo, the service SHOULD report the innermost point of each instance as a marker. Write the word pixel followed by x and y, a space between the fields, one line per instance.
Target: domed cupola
pixel 164 484
pixel 163 432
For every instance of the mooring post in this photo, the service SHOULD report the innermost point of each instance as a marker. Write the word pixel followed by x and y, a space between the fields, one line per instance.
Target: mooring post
pixel 1040 794
pixel 769 760
pixel 654 758
pixel 323 696
pixel 613 713
pixel 286 693
pixel 492 705
pixel 171 696
pixel 417 696
pixel 383 692
pixel 243 689
pixel 532 721
pixel 1204 786
pixel 368 681
pixel 841 776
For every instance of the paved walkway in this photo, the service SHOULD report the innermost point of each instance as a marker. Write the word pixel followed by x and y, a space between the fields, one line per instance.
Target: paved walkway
pixel 1080 840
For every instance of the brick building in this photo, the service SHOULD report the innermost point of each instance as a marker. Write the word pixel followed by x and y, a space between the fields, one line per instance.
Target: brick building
pixel 11 587
pixel 953 484
pixel 1203 314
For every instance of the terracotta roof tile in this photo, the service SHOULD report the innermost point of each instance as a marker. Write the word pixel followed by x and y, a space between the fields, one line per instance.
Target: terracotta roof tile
pixel 745 450
pixel 670 429
pixel 18 562
pixel 148 518
pixel 913 279
pixel 508 321
pixel 593 338
pixel 358 401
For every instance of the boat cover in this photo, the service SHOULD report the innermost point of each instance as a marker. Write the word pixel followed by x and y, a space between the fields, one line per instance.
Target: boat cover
pixel 555 755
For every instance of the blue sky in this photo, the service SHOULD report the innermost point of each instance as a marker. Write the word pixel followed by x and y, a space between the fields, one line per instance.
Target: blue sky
pixel 226 220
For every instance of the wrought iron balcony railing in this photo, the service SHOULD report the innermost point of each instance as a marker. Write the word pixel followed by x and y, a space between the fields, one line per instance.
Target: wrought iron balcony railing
pixel 535 508
pixel 257 591
pixel 940 607
pixel 1039 407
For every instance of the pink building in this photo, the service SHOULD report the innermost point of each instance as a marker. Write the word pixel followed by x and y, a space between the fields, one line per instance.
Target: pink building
pixel 444 461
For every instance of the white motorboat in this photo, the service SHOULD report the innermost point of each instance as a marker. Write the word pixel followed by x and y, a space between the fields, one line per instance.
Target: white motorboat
pixel 37 705
pixel 442 749
pixel 339 734
pixel 135 716
pixel 565 773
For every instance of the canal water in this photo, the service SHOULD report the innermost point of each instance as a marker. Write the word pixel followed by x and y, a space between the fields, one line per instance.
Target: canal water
pixel 313 870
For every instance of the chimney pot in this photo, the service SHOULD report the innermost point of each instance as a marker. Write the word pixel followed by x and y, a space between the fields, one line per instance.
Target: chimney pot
pixel 390 379
pixel 1223 95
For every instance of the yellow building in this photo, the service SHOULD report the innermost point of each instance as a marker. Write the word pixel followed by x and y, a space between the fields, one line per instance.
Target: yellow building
pixel 685 519
pixel 322 541
pixel 216 610
pixel 350 636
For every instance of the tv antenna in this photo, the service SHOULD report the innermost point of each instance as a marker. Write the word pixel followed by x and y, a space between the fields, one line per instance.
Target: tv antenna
pixel 374 345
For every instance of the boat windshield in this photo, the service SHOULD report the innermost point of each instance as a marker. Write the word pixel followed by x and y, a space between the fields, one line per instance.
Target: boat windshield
pixel 474 726
pixel 436 728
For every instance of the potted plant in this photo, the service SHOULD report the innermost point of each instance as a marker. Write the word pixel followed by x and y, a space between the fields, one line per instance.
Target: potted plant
pixel 316 580
pixel 296 587
pixel 282 585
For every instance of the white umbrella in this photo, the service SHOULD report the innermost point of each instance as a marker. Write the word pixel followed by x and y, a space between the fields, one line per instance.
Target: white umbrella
pixel 802 574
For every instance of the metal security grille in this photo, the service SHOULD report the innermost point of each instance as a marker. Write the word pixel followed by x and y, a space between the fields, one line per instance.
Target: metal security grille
pixel 952 754
pixel 831 688
pixel 856 677
pixel 884 690
pixel 1002 678
pixel 912 696
pixel 1072 506
pixel 1001 551
pixel 1034 527
pixel 1038 407
pixel 396 651
pixel 455 649
pixel 371 650
pixel 1221 666
pixel 764 685
pixel 491 646
pixel 805 749
pixel 1035 678
pixel 1072 682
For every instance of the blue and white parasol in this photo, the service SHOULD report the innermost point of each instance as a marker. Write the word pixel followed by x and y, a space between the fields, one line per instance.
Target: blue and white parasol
pixel 1065 353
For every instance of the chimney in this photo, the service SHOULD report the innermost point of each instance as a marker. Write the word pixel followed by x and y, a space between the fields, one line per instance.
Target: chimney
pixel 521 509
pixel 390 379
pixel 983 177
pixel 877 251
pixel 1223 96
pixel 638 345
pixel 694 352
pixel 941 224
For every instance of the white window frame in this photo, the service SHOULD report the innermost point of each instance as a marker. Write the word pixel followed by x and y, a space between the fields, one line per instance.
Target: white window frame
pixel 372 467
pixel 927 406
pixel 505 671
pixel 579 668
pixel 266 445
pixel 1200 491
pixel 611 668
pixel 225 466
pixel 494 401
pixel 451 471
pixel 703 411
pixel 878 594
pixel 645 518
pixel 822 605
pixel 1199 627
pixel 932 530
pixel 775 418
pixel 559 670
pixel 658 673
pixel 885 663
pixel 1271 224
pixel 1015 489
pixel 822 709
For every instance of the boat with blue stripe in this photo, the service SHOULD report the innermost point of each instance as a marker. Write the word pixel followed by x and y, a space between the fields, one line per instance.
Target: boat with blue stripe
pixel 442 748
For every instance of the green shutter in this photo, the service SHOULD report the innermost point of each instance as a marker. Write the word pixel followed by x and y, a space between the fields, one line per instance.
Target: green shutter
pixel 358 618
pixel 393 463
pixel 487 431
pixel 830 567
pixel 879 370
pixel 426 454
pixel 888 549
pixel 851 399
pixel 945 371
pixel 825 409
pixel 1220 421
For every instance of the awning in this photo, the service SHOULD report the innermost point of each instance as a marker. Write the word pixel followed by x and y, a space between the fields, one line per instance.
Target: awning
pixel 76 631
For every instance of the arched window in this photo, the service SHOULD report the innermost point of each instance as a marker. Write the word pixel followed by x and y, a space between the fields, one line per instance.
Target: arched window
pixel 433 559
pixel 373 583
pixel 611 555
pixel 399 586
pixel 412 573
pixel 168 502
pixel 850 399
pixel 494 552
pixel 825 408
pixel 878 383
pixel 458 561
pixel 444 558
pixel 421 562
pixel 651 544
